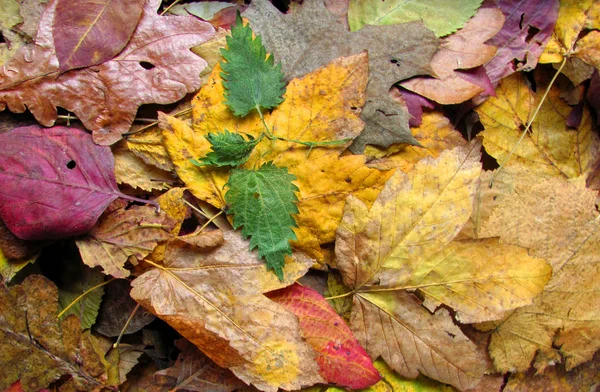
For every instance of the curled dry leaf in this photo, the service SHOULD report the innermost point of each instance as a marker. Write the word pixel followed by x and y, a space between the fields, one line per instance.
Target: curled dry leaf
pixel 214 298
pixel 156 66
pixel 55 182
pixel 404 243
pixel 135 172
pixel 122 232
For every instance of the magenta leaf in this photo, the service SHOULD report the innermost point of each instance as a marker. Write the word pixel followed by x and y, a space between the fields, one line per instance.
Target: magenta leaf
pixel 54 182
pixel 90 32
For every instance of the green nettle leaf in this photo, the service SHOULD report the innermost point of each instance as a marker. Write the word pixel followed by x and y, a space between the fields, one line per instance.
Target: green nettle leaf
pixel 263 201
pixel 229 149
pixel 250 79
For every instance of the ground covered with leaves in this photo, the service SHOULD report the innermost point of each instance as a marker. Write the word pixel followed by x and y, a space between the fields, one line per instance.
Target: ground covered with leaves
pixel 311 195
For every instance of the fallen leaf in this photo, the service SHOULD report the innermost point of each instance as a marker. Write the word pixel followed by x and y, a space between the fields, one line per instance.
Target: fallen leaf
pixel 11 18
pixel 318 107
pixel 342 361
pixel 463 50
pixel 160 44
pixel 435 135
pixel 556 219
pixel 444 18
pixel 194 371
pixel 122 232
pixel 311 37
pixel 199 293
pixel 80 280
pixel 91 32
pixel 31 11
pixel 527 28
pixel 56 182
pixel 148 146
pixel 36 347
pixel 122 360
pixel 135 172
pixel 550 147
pixel 404 244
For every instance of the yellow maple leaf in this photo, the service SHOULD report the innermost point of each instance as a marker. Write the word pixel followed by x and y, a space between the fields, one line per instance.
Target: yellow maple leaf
pixel 557 220
pixel 200 294
pixel 322 106
pixel 550 147
pixel 403 244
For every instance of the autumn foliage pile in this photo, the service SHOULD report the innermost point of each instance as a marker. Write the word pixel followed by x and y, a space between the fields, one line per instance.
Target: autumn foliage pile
pixel 359 194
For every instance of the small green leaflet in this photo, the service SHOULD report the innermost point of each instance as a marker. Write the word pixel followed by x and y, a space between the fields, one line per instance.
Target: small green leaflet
pixel 87 307
pixel 229 149
pixel 250 79
pixel 263 201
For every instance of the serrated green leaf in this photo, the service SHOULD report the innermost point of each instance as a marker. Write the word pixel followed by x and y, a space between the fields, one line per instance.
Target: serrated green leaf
pixel 86 309
pixel 229 149
pixel 262 202
pixel 250 79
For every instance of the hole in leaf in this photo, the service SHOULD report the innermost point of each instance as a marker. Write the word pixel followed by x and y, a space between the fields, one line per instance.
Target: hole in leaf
pixel 531 32
pixel 71 164
pixel 147 65
pixel 395 62
pixel 256 195
pixel 353 108
pixel 348 180
pixel 521 21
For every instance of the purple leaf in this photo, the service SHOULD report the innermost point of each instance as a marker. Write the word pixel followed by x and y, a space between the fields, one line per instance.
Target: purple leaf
pixel 54 182
pixel 527 28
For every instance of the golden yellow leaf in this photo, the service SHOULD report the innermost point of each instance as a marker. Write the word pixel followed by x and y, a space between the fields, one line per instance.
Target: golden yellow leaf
pixel 403 244
pixel 133 171
pixel 557 220
pixel 435 134
pixel 551 147
pixel 148 145
pixel 215 300
pixel 322 106
pixel 574 16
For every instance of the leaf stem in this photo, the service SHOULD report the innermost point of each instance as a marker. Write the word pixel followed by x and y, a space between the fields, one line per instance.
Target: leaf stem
pixel 116 345
pixel 83 295
pixel 349 293
pixel 530 122
pixel 145 127
pixel 215 216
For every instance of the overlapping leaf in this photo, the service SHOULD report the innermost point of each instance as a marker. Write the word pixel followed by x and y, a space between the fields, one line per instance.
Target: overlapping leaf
pixel 215 300
pixel 156 66
pixel 404 244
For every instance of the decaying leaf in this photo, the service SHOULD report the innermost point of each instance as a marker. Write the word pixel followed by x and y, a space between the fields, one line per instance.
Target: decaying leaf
pixel 75 282
pixel 122 232
pixel 311 37
pixel 11 18
pixel 319 107
pixel 55 182
pixel 37 348
pixel 135 172
pixel 341 359
pixel 444 18
pixel 556 219
pixel 550 147
pixel 404 244
pixel 214 298
pixel 91 32
pixel 462 51
pixel 156 66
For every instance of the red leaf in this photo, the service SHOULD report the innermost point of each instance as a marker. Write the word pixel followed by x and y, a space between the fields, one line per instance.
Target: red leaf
pixel 156 66
pixel 54 182
pixel 341 359
pixel 90 32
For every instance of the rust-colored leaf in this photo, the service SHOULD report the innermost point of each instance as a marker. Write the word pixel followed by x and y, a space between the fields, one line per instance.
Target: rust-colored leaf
pixel 91 32
pixel 341 359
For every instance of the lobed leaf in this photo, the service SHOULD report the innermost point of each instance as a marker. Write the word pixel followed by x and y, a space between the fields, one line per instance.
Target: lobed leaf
pixel 262 203
pixel 250 78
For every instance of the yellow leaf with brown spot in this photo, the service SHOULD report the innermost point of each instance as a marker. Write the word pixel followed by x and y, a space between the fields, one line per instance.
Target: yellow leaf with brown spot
pixel 199 292
pixel 405 243
pixel 435 134
pixel 322 106
pixel 551 147
pixel 574 17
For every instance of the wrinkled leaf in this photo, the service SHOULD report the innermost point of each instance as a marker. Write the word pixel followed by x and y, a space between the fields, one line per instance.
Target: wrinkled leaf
pixel 91 32
pixel 311 37
pixel 262 203
pixel 156 66
pixel 441 17
pixel 458 55
pixel 122 232
pixel 250 78
pixel 135 172
pixel 55 182
pixel 200 294
pixel 341 359
pixel 229 149
pixel 37 348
